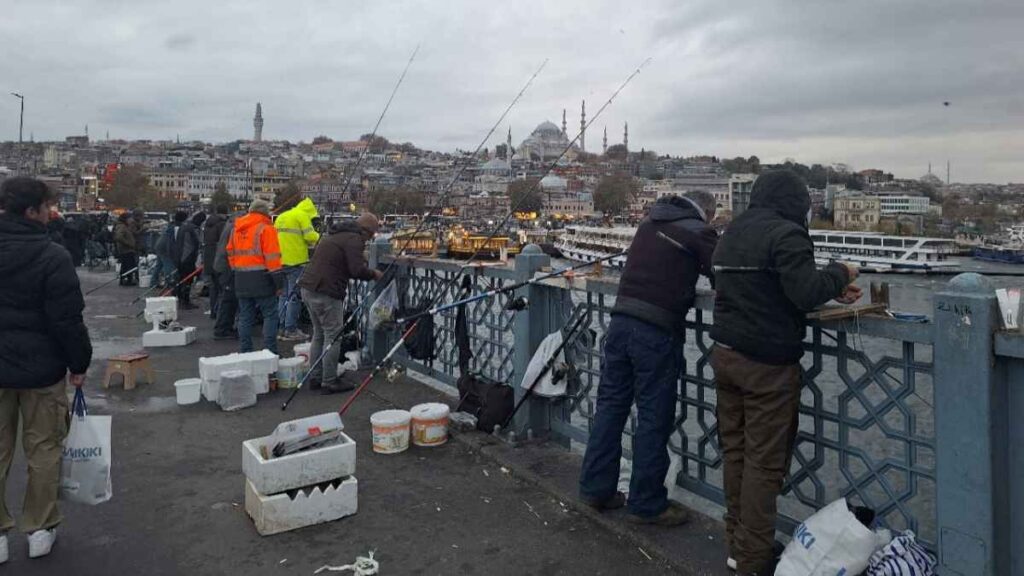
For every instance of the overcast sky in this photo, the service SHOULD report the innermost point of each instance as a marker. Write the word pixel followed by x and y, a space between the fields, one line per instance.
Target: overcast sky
pixel 862 82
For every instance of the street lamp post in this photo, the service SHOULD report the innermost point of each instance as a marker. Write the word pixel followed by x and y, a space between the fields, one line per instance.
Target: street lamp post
pixel 21 119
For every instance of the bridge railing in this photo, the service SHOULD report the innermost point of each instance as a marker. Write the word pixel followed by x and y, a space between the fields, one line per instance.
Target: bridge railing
pixel 917 421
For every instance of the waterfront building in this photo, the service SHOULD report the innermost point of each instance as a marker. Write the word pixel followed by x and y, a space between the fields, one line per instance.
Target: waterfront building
pixel 857 213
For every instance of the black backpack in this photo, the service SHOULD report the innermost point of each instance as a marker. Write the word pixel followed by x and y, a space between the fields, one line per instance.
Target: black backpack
pixel 489 401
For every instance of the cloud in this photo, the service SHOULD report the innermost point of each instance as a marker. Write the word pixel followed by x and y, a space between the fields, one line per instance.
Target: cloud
pixel 861 82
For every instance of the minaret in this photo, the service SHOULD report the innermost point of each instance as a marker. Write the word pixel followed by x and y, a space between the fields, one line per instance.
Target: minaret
pixel 583 127
pixel 257 123
pixel 604 143
pixel 565 127
pixel 508 146
pixel 625 137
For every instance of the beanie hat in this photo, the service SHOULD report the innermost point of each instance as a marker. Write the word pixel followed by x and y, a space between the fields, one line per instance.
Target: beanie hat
pixel 261 206
pixel 368 222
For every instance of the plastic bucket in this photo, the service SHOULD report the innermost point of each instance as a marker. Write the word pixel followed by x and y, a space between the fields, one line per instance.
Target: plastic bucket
pixel 187 390
pixel 390 431
pixel 429 424
pixel 290 371
pixel 302 350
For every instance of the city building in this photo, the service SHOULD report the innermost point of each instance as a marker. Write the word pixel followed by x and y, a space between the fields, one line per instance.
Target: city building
pixel 740 187
pixel 861 213
pixel 892 204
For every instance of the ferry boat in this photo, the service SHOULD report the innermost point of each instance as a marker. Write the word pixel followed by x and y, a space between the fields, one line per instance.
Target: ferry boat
pixel 463 244
pixel 1012 252
pixel 882 252
pixel 406 243
pixel 869 250
pixel 586 243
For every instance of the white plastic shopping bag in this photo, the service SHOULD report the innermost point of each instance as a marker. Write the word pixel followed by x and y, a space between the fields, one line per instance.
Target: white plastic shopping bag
pixel 830 542
pixel 383 308
pixel 85 463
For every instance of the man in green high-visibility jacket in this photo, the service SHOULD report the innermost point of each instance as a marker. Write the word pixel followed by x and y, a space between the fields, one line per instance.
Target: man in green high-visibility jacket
pixel 296 234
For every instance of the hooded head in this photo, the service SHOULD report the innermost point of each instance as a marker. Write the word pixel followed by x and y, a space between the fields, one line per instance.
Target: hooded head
pixel 785 193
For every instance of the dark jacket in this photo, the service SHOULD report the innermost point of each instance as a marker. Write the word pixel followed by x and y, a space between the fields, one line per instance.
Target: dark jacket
pixel 185 247
pixel 762 314
pixel 42 334
pixel 338 259
pixel 211 236
pixel 124 238
pixel 659 283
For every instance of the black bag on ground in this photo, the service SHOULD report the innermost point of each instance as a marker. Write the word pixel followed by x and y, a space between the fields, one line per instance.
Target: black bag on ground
pixel 489 401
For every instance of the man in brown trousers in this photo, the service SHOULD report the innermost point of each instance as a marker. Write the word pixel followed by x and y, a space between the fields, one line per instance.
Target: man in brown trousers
pixel 766 282
pixel 43 344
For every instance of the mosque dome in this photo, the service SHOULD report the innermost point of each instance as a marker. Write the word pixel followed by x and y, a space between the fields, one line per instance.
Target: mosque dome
pixel 547 129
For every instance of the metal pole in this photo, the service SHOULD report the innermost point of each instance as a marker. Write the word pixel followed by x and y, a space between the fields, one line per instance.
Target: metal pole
pixel 21 119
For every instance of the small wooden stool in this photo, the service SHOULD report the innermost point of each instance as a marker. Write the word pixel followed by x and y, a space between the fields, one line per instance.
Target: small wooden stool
pixel 128 366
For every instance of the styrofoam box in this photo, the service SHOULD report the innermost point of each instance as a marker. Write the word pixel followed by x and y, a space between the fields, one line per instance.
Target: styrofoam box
pixel 255 363
pixel 277 513
pixel 167 305
pixel 300 469
pixel 160 338
pixel 211 389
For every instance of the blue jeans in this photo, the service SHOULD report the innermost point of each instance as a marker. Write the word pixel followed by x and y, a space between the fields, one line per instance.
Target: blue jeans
pixel 247 308
pixel 642 363
pixel 291 302
pixel 163 269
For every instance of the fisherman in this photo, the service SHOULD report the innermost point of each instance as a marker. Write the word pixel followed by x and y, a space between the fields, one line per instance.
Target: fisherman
pixel 164 271
pixel 184 251
pixel 338 259
pixel 759 331
pixel 44 345
pixel 227 302
pixel 212 230
pixel 643 358
pixel 254 256
pixel 126 249
pixel 297 235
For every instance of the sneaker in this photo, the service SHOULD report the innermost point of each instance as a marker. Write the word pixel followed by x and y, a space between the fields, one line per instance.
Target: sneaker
pixel 4 552
pixel 614 502
pixel 336 386
pixel 228 336
pixel 674 515
pixel 294 335
pixel 41 542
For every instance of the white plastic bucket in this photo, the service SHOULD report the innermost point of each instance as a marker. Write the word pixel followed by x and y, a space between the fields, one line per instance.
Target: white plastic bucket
pixel 290 371
pixel 429 424
pixel 390 431
pixel 303 350
pixel 187 390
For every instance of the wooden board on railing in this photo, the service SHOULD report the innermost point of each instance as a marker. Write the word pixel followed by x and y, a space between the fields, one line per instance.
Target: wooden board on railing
pixel 844 312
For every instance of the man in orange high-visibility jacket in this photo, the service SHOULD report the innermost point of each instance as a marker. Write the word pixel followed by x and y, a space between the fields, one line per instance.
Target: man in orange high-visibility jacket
pixel 254 256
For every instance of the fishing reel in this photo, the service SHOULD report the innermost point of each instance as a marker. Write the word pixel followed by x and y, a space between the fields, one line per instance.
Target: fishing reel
pixel 394 372
pixel 517 304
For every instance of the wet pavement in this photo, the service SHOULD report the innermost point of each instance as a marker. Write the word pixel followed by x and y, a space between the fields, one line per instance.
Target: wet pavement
pixel 472 506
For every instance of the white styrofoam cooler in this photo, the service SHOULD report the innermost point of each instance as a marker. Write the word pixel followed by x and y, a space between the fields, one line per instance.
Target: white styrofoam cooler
pixel 161 338
pixel 282 512
pixel 165 306
pixel 305 468
pixel 260 365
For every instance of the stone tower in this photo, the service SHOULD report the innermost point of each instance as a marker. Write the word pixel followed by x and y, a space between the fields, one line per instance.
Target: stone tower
pixel 257 123
pixel 583 127
pixel 604 143
pixel 625 137
pixel 565 127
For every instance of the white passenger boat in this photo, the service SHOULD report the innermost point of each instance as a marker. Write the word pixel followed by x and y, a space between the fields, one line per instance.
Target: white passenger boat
pixel 872 251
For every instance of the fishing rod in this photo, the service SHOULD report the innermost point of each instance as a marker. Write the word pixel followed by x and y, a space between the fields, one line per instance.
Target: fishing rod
pixel 718 267
pixel 510 287
pixel 446 192
pixel 387 358
pixel 170 290
pixel 111 281
pixel 547 368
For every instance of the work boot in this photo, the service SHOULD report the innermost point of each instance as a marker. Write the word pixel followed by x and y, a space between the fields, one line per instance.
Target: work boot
pixel 674 515
pixel 315 384
pixel 227 336
pixel 336 386
pixel 613 502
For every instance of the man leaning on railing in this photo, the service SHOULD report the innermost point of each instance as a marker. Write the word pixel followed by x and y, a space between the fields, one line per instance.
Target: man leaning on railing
pixel 767 281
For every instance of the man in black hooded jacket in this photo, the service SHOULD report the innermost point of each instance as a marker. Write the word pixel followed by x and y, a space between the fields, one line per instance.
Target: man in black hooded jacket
pixel 43 342
pixel 643 357
pixel 767 281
